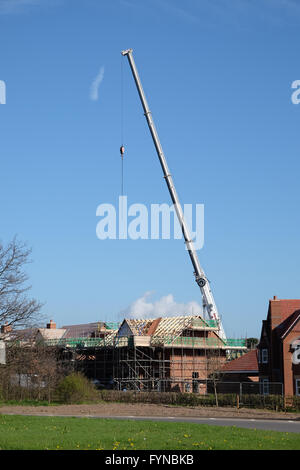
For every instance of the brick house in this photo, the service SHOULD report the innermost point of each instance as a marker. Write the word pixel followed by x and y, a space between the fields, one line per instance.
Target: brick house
pixel 169 353
pixel 279 347
pixel 242 369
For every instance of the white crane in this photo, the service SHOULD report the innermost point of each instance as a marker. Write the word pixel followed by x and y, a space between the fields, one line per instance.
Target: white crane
pixel 209 304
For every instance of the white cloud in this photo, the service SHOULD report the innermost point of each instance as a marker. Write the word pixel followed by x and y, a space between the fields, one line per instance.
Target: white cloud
pixel 94 90
pixel 163 307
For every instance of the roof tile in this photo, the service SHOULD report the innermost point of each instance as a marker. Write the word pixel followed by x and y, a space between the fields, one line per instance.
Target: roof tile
pixel 247 362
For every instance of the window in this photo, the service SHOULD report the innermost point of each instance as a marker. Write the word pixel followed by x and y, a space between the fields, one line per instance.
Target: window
pixel 297 387
pixel 264 387
pixel 264 356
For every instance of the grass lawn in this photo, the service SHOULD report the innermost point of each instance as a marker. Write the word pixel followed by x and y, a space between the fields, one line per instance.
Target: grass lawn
pixel 57 433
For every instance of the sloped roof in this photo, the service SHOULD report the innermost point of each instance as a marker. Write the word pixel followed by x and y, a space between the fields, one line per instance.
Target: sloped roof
pixel 173 325
pixel 139 327
pixel 246 363
pixel 67 332
pixel 265 333
pixel 282 314
pixel 52 333
pixel 110 337
pixel 160 327
pixel 27 334
pixel 283 329
pixel 281 309
pixel 82 330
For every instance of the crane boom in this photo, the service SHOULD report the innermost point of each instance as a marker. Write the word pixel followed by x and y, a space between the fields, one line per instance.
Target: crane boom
pixel 203 283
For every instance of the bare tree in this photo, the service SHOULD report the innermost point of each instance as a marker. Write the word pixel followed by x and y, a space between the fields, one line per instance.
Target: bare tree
pixel 215 362
pixel 15 306
pixel 31 372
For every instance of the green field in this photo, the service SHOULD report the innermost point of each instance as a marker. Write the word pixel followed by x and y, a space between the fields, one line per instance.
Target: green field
pixel 55 433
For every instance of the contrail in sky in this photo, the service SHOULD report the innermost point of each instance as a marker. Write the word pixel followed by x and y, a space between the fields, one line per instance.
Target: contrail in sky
pixel 94 91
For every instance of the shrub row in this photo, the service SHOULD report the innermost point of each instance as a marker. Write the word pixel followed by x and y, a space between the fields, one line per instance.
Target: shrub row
pixel 273 402
pixel 293 403
pixel 76 388
pixel 269 402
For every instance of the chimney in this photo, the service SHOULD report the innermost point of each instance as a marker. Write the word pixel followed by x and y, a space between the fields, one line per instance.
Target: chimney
pixel 51 325
pixel 275 297
pixel 6 328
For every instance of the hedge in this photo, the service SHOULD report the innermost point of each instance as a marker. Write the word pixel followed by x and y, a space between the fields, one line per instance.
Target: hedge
pixel 273 402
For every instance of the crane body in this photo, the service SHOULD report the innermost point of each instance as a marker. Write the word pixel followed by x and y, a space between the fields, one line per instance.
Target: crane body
pixel 209 304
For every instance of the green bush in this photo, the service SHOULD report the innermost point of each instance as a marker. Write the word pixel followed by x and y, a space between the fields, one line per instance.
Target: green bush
pixel 270 402
pixel 227 399
pixel 76 388
pixel 168 398
pixel 296 403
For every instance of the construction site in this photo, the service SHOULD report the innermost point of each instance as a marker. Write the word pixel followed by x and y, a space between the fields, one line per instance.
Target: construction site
pixel 177 353
pixel 164 354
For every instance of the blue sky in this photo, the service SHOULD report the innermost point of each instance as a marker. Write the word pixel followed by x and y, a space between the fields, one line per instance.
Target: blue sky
pixel 217 75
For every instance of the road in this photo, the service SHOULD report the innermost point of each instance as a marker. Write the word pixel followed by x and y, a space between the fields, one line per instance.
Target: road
pixel 264 424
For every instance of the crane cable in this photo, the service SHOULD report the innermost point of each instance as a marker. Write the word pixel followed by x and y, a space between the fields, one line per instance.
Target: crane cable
pixel 122 148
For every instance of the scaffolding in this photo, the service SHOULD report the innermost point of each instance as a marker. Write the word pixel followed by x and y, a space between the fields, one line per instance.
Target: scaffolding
pixel 167 354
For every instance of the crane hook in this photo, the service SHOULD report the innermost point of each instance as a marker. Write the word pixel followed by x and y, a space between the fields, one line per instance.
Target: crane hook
pixel 122 150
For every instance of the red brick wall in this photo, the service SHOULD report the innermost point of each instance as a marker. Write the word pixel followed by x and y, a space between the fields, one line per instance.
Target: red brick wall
pixel 184 362
pixel 279 310
pixel 290 370
pixel 280 367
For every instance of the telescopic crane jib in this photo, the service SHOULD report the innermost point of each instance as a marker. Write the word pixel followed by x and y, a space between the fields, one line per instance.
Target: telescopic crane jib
pixel 202 281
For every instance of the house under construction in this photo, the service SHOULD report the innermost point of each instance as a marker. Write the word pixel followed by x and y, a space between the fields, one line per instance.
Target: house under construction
pixel 163 354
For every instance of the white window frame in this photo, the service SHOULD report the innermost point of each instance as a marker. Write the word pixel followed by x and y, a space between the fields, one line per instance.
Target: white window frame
pixel 297 387
pixel 265 388
pixel 264 356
